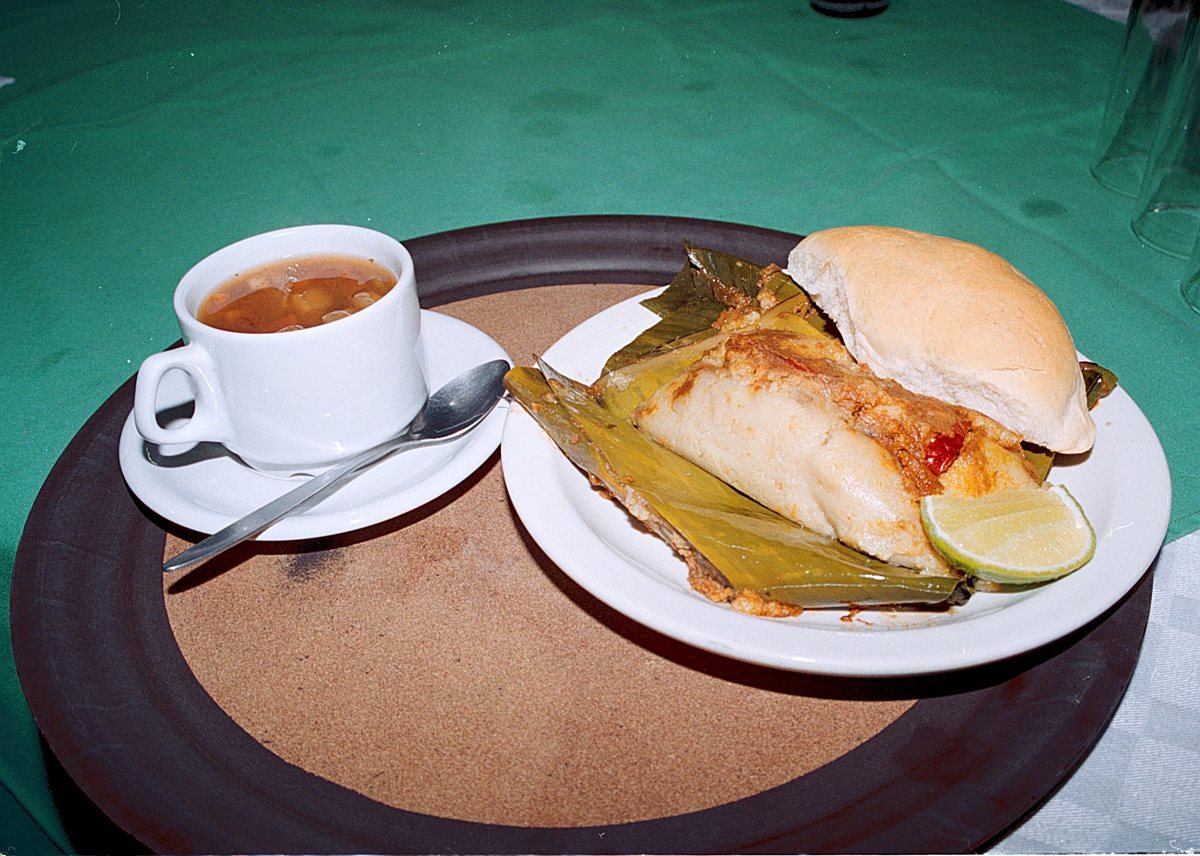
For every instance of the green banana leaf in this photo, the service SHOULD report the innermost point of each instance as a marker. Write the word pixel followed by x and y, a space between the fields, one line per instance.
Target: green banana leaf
pixel 714 526
pixel 709 283
pixel 1098 381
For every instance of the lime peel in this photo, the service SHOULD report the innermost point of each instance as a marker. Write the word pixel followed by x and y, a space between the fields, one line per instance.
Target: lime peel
pixel 1024 535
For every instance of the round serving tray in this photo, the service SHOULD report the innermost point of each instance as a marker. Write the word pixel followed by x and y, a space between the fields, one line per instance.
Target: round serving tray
pixel 117 703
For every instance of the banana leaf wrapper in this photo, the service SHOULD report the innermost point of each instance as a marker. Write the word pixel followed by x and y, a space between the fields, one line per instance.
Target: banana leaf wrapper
pixel 709 284
pixel 712 282
pixel 734 547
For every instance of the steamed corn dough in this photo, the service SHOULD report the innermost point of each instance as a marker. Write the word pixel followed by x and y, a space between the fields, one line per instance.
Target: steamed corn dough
pixel 794 422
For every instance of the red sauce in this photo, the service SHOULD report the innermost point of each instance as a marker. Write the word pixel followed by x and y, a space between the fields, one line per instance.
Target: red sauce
pixel 795 364
pixel 941 451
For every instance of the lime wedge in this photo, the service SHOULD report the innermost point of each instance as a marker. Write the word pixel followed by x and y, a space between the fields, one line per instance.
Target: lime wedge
pixel 1025 535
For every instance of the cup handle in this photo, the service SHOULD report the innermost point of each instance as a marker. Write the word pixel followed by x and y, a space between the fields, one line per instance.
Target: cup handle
pixel 208 422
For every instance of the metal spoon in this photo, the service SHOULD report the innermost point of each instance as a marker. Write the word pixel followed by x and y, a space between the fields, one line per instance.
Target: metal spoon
pixel 450 412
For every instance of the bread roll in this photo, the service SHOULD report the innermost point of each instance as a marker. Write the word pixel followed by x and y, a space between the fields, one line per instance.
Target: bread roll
pixel 953 321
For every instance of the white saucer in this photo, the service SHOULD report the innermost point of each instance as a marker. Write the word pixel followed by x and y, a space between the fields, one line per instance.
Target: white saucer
pixel 204 488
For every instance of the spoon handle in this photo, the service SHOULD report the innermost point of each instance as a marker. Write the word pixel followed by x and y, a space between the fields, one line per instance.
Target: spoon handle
pixel 315 488
pixel 449 413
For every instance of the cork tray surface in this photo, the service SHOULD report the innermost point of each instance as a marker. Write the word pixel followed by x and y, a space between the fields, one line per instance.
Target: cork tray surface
pixel 442 665
pixel 435 683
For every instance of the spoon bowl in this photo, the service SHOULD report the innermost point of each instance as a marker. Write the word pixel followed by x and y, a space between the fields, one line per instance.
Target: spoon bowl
pixel 459 405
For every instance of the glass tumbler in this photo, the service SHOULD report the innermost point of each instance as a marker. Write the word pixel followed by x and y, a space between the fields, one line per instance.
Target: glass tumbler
pixel 1167 210
pixel 850 8
pixel 1189 287
pixel 1155 31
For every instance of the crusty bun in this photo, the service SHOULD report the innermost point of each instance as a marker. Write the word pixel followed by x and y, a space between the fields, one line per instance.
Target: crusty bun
pixel 953 321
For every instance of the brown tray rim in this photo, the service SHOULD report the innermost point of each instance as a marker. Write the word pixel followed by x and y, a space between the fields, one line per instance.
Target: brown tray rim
pixel 116 702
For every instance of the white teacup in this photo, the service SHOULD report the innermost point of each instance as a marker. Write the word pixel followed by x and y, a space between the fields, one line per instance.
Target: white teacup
pixel 299 400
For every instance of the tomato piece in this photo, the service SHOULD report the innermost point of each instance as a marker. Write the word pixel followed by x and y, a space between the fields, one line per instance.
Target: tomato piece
pixel 942 450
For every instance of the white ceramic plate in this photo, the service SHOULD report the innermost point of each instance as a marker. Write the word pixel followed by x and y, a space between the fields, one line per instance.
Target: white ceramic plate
pixel 1123 485
pixel 203 488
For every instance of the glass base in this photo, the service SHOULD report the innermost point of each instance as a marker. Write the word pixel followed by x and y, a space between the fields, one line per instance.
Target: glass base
pixel 850 8
pixel 1191 292
pixel 1122 174
pixel 1169 229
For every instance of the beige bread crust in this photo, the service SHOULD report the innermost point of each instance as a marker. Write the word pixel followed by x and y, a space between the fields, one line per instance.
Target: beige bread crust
pixel 951 320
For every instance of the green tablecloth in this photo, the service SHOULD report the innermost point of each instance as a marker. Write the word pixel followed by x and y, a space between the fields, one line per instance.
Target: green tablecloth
pixel 136 137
